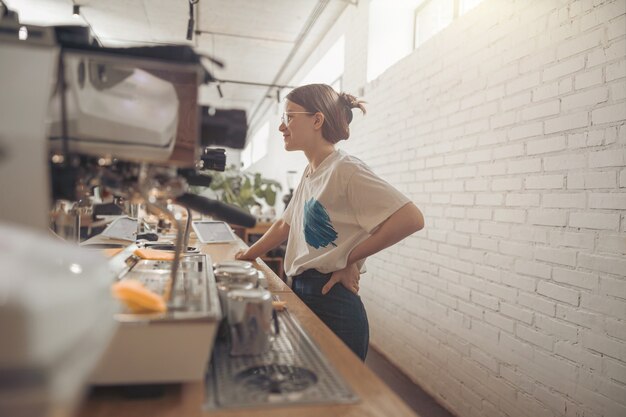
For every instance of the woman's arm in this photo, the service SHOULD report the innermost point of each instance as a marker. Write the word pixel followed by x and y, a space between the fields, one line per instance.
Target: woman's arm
pixel 276 235
pixel 404 222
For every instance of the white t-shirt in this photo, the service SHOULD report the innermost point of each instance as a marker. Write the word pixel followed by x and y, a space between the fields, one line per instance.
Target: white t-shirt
pixel 335 208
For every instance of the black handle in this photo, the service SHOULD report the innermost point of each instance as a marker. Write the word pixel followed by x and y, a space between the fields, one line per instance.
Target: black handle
pixel 194 178
pixel 276 326
pixel 223 211
pixel 152 237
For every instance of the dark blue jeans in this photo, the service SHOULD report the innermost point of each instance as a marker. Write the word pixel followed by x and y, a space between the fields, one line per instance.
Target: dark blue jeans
pixel 340 309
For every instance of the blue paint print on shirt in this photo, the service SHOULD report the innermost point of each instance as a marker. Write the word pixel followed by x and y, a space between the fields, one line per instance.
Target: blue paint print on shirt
pixel 318 229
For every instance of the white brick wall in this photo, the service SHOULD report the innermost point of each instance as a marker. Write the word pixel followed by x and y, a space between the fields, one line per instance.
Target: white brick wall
pixel 508 130
pixel 516 302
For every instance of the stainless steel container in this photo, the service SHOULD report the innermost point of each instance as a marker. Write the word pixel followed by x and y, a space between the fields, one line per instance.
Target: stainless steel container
pixel 233 278
pixel 249 317
pixel 236 263
pixel 236 274
pixel 262 280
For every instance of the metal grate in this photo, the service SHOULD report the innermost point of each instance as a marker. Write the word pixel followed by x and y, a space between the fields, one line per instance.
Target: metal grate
pixel 291 349
pixel 195 289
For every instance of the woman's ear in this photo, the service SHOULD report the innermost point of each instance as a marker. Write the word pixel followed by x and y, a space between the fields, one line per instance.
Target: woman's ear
pixel 318 122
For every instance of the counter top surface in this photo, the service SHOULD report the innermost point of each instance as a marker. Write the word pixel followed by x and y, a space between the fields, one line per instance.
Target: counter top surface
pixel 375 398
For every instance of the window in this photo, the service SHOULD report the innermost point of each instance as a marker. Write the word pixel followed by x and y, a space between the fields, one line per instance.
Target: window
pixel 329 68
pixel 390 32
pixel 259 142
pixel 467 5
pixel 257 146
pixel 246 156
pixel 435 15
pixel 399 26
pixel 431 18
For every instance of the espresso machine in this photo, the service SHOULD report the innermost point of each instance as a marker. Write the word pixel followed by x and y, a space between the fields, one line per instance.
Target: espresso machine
pixel 56 313
pixel 75 117
pixel 128 121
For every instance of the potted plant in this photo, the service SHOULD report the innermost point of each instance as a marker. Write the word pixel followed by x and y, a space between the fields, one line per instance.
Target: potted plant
pixel 244 189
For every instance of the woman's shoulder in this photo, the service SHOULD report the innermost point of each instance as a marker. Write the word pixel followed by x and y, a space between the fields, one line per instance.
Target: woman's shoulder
pixel 349 164
pixel 346 160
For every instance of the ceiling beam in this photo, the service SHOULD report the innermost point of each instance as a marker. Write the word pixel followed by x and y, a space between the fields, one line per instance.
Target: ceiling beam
pixel 234 35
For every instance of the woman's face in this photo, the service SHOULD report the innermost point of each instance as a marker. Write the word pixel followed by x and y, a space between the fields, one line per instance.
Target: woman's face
pixel 296 127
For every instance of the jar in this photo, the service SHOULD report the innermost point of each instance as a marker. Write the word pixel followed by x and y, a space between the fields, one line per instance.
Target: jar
pixel 230 278
pixel 236 263
pixel 250 315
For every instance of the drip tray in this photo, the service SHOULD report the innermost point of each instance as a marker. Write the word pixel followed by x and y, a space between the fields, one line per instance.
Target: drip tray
pixel 293 372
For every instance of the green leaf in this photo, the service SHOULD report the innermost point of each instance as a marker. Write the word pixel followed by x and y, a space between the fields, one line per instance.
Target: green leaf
pixel 243 188
pixel 270 196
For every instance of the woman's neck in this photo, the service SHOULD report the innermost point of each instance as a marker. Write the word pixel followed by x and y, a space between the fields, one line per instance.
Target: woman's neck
pixel 317 155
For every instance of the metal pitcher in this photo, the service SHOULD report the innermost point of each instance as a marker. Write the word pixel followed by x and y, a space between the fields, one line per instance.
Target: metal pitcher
pixel 250 315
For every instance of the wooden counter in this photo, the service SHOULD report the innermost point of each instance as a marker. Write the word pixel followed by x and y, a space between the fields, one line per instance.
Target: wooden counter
pixel 185 400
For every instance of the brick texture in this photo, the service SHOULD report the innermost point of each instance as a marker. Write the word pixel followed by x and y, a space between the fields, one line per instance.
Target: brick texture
pixel 508 130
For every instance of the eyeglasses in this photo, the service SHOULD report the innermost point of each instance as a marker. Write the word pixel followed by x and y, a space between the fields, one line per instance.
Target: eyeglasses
pixel 286 117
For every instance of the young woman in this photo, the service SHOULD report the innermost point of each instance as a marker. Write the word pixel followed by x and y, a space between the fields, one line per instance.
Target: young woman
pixel 340 214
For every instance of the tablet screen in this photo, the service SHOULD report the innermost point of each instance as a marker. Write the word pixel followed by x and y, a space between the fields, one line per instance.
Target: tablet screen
pixel 213 231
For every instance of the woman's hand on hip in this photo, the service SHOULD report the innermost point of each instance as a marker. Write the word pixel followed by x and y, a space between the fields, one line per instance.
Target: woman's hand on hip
pixel 348 277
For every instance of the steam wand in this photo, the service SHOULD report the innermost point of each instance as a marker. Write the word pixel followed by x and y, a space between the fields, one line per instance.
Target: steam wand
pixel 177 252
pixel 157 185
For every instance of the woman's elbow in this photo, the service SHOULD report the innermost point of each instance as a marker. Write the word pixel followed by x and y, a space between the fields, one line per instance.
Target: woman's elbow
pixel 283 228
pixel 417 219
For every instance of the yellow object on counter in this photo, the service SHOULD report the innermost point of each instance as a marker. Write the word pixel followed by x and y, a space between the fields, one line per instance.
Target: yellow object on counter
pixel 279 305
pixel 154 254
pixel 138 298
